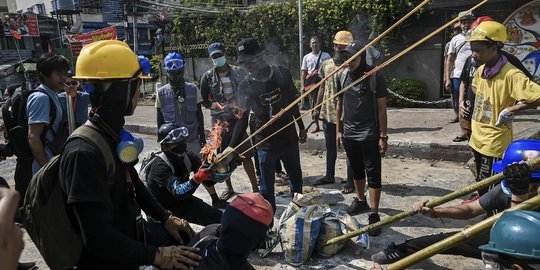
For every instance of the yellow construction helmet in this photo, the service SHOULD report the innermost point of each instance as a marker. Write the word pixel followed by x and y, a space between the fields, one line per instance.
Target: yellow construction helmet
pixel 343 38
pixel 489 31
pixel 105 60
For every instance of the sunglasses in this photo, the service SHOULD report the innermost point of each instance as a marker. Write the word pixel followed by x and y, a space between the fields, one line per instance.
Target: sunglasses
pixel 175 64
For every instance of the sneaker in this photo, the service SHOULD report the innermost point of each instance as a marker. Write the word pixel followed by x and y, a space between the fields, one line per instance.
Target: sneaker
pixel 374 218
pixel 270 242
pixel 390 254
pixel 475 196
pixel 357 207
pixel 220 204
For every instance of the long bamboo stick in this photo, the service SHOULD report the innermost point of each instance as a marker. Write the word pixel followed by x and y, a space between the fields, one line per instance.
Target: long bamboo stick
pixel 461 236
pixel 280 113
pixel 535 163
pixel 379 67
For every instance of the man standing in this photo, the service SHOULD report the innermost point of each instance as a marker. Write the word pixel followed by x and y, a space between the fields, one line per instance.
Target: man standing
pixel 179 102
pixel 266 91
pixel 310 68
pixel 501 90
pixel 327 113
pixel 458 51
pixel 219 89
pixel 363 132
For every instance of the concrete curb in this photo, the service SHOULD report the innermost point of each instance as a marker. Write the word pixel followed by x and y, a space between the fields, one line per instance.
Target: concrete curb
pixel 422 150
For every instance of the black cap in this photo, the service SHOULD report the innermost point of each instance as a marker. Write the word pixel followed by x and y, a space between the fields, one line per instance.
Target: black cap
pixel 354 47
pixel 247 48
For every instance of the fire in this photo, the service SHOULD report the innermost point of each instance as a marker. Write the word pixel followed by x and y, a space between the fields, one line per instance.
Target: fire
pixel 208 152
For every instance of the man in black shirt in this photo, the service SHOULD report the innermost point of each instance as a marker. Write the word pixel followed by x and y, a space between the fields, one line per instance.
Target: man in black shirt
pixel 267 90
pixel 105 208
pixel 520 184
pixel 361 124
pixel 168 178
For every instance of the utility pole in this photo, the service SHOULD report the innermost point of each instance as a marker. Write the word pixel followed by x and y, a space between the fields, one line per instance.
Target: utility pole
pixel 300 36
pixel 134 28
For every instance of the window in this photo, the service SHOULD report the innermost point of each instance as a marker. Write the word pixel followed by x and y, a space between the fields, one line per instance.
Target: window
pixel 41 9
pixel 91 6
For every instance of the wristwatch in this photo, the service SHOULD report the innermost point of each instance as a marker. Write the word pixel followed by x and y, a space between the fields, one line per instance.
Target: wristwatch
pixel 385 137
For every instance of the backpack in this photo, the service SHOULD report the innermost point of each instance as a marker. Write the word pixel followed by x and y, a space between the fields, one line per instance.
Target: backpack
pixel 44 213
pixel 149 160
pixel 16 122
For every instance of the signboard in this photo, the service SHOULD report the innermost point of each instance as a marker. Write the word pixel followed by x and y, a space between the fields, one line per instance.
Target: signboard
pixel 87 38
pixel 523 28
pixel 20 25
pixel 76 47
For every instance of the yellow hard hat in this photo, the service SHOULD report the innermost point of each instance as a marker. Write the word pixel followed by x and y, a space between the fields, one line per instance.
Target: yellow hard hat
pixel 489 31
pixel 107 59
pixel 343 38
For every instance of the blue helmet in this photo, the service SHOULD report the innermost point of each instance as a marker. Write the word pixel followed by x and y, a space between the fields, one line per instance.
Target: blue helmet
pixel 516 234
pixel 174 61
pixel 145 65
pixel 517 151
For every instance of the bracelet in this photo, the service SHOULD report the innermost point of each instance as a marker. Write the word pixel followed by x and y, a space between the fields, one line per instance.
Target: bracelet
pixel 385 137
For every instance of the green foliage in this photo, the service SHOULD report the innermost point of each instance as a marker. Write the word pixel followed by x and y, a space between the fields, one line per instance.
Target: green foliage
pixel 155 62
pixel 277 23
pixel 408 87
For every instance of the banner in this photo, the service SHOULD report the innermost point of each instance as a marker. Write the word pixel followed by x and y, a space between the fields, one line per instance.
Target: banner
pixel 101 34
pixel 20 25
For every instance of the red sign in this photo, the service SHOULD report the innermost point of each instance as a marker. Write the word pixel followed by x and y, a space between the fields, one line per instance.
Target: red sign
pixel 20 25
pixel 101 34
pixel 76 48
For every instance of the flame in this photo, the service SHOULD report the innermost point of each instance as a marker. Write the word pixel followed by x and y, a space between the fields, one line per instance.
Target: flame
pixel 208 152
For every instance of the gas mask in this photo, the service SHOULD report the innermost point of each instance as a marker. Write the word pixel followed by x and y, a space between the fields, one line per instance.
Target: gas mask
pixel 129 147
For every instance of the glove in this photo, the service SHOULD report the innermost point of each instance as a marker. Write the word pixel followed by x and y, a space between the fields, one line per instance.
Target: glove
pixel 203 174
pixel 175 226
pixel 176 257
pixel 505 118
pixel 518 177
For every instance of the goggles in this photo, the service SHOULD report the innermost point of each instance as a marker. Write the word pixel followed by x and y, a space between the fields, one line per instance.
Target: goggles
pixel 175 64
pixel 176 135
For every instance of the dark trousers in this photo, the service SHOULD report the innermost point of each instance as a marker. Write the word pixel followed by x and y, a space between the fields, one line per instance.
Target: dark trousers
pixel 484 169
pixel 365 160
pixel 290 155
pixel 195 210
pixel 331 152
pixel 467 248
pixel 23 176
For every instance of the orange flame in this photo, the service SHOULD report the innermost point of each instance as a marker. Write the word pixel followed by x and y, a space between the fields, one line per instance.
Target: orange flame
pixel 208 152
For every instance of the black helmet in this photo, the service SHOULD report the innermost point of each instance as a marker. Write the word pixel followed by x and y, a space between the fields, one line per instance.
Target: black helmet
pixel 171 133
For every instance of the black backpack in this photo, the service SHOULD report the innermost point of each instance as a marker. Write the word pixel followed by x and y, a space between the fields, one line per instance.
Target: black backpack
pixel 44 213
pixel 16 121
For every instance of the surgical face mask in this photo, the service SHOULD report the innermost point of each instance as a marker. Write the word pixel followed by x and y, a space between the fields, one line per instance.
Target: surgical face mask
pixel 219 62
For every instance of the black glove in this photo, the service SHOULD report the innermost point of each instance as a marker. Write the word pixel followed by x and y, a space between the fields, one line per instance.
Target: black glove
pixel 518 177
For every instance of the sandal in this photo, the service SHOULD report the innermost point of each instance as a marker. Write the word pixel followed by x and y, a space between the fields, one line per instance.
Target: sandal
pixel 283 176
pixel 453 120
pixel 227 194
pixel 316 129
pixel 460 138
pixel 347 189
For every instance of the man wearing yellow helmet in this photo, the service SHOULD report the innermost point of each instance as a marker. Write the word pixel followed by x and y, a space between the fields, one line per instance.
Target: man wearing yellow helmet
pixel 105 203
pixel 501 90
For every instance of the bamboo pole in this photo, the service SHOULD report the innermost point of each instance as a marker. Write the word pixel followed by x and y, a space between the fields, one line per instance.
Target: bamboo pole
pixel 535 163
pixel 461 236
pixel 379 67
pixel 280 113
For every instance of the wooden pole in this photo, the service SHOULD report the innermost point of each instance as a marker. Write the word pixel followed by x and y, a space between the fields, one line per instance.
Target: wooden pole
pixel 461 236
pixel 535 163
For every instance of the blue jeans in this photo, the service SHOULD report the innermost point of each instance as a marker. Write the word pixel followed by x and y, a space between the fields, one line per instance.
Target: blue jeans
pixel 456 82
pixel 331 151
pixel 290 156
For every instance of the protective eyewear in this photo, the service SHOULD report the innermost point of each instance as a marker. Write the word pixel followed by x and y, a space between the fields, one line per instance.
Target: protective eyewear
pixel 72 83
pixel 175 64
pixel 176 135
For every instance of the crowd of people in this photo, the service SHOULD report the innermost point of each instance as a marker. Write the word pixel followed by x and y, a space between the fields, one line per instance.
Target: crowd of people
pixel 105 196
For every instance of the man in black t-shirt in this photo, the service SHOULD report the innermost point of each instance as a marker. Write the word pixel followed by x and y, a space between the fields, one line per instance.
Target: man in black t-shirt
pixel 266 92
pixel 105 208
pixel 361 124
pixel 168 178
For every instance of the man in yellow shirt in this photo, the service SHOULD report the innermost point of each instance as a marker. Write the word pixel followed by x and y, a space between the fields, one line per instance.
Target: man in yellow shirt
pixel 501 90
